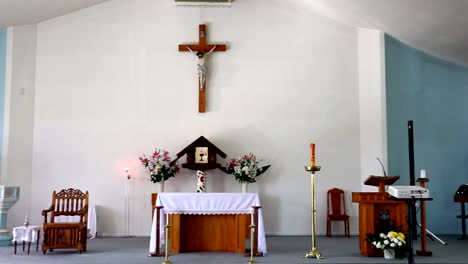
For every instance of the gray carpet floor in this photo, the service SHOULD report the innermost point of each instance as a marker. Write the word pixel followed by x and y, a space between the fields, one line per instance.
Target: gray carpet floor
pixel 281 249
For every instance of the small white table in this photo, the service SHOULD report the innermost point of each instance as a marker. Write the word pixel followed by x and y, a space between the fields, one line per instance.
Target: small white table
pixel 26 234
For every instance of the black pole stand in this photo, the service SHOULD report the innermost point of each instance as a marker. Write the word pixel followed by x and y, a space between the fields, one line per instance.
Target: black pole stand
pixel 411 153
pixel 411 204
pixel 411 175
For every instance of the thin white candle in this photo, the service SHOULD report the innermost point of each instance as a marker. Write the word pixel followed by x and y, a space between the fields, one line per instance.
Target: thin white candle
pixel 423 174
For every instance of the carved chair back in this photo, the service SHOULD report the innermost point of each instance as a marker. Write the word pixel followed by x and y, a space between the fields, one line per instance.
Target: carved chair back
pixel 69 202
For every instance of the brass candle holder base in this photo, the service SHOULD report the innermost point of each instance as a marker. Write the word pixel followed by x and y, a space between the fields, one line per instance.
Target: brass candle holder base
pixel 314 253
pixel 167 262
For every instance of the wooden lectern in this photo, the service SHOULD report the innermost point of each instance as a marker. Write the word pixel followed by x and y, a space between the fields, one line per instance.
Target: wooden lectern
pixel 381 182
pixel 371 205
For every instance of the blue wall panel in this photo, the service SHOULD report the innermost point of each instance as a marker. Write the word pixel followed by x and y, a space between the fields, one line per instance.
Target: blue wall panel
pixel 3 38
pixel 434 94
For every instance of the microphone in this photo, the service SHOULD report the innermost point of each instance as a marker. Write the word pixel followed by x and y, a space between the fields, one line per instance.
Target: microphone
pixel 384 173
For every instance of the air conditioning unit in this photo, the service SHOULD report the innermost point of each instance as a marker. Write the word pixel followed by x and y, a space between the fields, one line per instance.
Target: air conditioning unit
pixel 221 3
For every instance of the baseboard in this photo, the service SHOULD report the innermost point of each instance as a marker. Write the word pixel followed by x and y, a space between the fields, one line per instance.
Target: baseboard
pixel 303 234
pixel 266 234
pixel 204 3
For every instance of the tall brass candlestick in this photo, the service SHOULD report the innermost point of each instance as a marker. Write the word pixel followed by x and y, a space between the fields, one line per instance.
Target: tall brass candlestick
pixel 252 228
pixel 313 253
pixel 166 255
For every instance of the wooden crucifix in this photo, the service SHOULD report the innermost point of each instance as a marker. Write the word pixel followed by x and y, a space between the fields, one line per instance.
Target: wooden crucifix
pixel 201 50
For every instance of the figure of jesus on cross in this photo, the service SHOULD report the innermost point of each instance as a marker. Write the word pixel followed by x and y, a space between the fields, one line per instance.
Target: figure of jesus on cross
pixel 202 50
pixel 202 68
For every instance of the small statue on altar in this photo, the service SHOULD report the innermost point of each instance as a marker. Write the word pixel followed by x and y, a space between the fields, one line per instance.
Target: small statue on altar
pixel 201 182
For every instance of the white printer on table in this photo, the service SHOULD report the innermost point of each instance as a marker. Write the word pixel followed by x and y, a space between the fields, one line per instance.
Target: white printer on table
pixel 408 191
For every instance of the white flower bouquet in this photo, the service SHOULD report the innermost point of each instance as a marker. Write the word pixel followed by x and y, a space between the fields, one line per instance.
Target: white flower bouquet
pixel 391 240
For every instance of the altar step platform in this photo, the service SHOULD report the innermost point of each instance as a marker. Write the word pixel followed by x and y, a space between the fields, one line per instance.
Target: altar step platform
pixel 281 250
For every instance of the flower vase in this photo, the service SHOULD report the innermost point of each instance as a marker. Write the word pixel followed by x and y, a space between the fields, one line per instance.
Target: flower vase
pixel 161 186
pixel 389 253
pixel 245 187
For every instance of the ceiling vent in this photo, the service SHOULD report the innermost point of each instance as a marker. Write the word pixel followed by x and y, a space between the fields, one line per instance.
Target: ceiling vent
pixel 222 3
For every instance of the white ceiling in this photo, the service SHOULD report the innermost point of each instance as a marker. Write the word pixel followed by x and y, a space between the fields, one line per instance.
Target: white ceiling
pixel 437 26
pixel 26 12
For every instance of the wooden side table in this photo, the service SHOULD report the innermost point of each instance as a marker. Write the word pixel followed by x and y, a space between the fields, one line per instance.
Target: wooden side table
pixel 26 234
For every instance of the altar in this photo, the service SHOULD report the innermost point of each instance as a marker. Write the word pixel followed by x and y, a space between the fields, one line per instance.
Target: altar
pixel 207 222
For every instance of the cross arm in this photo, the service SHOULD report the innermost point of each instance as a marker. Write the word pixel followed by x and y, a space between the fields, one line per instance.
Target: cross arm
pixel 202 48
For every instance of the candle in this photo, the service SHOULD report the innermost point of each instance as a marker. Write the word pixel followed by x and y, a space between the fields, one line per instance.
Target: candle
pixel 26 220
pixel 252 218
pixel 312 154
pixel 423 174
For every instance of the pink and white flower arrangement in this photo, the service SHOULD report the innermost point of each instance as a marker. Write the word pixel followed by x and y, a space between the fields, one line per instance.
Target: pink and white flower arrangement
pixel 245 169
pixel 160 166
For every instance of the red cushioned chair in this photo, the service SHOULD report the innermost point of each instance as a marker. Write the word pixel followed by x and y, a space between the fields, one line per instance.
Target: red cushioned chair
pixel 336 210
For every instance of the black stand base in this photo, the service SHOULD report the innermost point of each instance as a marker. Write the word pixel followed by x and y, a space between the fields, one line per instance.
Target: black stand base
pixel 423 253
pixel 432 236
pixel 463 218
pixel 411 205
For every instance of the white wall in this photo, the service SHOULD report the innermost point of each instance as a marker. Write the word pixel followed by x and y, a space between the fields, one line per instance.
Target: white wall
pixel 111 85
pixel 373 138
pixel 20 117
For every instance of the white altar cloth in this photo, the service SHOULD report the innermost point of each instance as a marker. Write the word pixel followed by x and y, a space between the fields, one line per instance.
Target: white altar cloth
pixel 92 222
pixel 206 203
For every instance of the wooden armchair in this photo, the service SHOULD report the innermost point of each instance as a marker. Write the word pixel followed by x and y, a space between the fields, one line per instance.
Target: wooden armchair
pixel 70 203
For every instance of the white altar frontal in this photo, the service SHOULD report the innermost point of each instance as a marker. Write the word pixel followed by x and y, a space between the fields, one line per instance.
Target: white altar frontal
pixel 206 204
